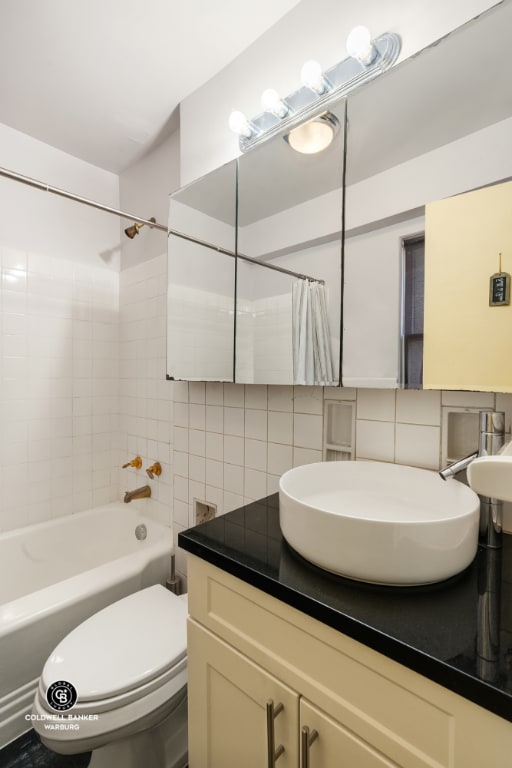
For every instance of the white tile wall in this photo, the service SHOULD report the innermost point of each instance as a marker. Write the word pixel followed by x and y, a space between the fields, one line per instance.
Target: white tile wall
pixel 58 387
pixel 148 410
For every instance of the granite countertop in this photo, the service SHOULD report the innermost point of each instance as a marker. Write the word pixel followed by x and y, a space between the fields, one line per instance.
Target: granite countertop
pixel 457 633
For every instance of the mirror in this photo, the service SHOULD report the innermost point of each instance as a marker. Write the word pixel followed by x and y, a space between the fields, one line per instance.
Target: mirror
pixel 472 311
pixel 201 278
pixel 432 127
pixel 271 315
pixel 289 295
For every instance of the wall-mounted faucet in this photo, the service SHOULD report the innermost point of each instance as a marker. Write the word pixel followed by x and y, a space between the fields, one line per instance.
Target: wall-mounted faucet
pixel 154 469
pixel 138 493
pixel 492 439
pixel 136 463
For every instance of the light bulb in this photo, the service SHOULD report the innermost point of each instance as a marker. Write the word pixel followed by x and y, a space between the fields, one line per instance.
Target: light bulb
pixel 238 123
pixel 271 102
pixel 360 46
pixel 312 77
pixel 313 136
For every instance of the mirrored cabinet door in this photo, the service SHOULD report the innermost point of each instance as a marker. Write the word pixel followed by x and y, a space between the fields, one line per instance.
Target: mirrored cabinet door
pixel 289 292
pixel 201 278
pixel 431 128
pixel 472 312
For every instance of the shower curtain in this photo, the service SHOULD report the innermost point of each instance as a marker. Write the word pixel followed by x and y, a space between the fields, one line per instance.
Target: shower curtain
pixel 312 356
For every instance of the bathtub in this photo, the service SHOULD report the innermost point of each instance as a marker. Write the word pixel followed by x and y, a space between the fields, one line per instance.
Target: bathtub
pixel 53 576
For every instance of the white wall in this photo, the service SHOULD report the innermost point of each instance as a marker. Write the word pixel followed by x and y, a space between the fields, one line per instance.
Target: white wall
pixel 314 29
pixel 481 158
pixel 144 190
pixel 58 336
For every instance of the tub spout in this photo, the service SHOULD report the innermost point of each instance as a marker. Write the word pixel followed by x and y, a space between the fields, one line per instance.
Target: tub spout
pixel 138 493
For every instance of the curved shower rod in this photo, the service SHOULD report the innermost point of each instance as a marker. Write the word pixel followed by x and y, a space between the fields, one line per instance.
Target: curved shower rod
pixel 84 200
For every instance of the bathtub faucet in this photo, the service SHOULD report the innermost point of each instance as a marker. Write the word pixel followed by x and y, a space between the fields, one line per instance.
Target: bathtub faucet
pixel 138 493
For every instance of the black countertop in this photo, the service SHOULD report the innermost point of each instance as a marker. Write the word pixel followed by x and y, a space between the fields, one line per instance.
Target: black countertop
pixel 457 633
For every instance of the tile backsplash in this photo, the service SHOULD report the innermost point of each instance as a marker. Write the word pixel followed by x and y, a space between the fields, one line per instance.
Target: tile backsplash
pixel 232 442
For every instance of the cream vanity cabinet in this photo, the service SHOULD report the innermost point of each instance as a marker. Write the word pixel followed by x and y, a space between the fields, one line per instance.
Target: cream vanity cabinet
pixel 244 709
pixel 247 649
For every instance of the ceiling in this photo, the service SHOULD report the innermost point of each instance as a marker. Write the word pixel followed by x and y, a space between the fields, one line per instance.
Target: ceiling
pixel 102 79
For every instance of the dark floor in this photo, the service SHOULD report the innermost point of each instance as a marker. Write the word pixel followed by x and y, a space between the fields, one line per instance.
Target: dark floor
pixel 28 752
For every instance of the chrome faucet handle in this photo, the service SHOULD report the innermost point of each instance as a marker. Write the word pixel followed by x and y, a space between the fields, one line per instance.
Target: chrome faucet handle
pixel 492 421
pixel 492 432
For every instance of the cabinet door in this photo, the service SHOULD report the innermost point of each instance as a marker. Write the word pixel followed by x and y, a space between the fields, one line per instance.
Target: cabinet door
pixel 228 697
pixel 335 745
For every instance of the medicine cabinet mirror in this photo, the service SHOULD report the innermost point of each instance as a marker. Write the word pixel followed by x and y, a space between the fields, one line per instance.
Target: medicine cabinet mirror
pixel 289 223
pixel 201 278
pixel 431 128
pixel 255 268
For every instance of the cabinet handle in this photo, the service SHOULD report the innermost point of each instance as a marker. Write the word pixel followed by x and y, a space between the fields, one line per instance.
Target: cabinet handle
pixel 307 738
pixel 273 753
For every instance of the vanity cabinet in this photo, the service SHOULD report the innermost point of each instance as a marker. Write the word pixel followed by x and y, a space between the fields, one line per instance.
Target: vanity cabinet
pixel 234 699
pixel 229 696
pixel 246 648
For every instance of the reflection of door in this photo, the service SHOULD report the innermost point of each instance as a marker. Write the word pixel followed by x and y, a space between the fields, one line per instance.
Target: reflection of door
pixel 467 341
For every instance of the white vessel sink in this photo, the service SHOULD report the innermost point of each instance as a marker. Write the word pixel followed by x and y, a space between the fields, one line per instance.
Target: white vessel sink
pixel 379 523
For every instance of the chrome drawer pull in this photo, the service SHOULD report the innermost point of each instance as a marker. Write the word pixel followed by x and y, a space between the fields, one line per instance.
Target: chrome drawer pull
pixel 307 738
pixel 273 753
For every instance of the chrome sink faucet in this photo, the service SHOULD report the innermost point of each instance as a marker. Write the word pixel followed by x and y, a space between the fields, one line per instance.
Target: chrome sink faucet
pixel 492 440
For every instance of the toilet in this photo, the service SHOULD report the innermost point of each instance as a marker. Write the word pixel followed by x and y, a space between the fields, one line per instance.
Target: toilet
pixel 126 666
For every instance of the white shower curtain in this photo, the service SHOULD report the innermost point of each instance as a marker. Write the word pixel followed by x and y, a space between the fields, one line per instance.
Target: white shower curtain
pixel 312 357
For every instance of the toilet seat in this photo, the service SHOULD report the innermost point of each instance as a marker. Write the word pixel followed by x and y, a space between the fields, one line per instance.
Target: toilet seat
pixel 123 652
pixel 115 723
pixel 124 686
pixel 98 706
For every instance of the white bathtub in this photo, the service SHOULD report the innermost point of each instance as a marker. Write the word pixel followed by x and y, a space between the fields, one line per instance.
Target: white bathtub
pixel 53 576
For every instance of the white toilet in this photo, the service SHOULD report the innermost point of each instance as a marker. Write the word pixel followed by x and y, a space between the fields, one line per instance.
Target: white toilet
pixel 128 665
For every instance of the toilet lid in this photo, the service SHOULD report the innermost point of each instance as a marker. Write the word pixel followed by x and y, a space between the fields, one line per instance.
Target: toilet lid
pixel 123 646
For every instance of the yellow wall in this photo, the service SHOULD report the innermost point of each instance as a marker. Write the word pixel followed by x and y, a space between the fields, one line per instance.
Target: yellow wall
pixel 468 344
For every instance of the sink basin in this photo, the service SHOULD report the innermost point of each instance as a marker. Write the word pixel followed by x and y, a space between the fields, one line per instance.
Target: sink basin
pixel 379 523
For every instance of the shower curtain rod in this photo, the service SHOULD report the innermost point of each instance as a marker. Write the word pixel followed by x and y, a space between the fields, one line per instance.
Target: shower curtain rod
pixel 84 200
pixel 250 259
pixel 155 225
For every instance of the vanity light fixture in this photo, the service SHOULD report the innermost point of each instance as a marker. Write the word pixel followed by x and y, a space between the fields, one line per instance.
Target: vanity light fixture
pixel 312 77
pixel 241 125
pixel 367 59
pixel 271 102
pixel 314 135
pixel 360 46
